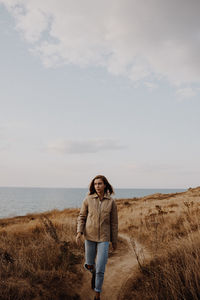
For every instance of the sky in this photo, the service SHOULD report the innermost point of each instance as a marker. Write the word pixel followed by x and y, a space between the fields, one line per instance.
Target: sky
pixel 100 87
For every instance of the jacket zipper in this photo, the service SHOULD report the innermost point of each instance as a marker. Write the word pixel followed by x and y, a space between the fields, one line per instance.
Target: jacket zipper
pixel 99 216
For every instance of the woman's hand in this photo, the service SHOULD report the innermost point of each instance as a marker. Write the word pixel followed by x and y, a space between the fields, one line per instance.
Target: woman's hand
pixel 78 239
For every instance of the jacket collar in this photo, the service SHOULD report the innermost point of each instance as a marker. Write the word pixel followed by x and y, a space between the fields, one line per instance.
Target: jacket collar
pixel 106 196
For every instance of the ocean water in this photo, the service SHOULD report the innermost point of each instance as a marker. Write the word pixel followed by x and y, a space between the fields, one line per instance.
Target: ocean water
pixel 19 201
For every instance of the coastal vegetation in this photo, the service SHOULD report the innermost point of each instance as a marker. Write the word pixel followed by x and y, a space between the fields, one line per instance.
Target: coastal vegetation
pixel 39 257
pixel 168 227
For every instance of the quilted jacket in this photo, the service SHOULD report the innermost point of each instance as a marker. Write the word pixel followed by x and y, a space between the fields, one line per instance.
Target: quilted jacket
pixel 98 219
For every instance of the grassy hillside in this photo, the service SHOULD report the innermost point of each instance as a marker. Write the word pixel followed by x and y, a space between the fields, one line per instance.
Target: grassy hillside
pixel 39 258
pixel 168 226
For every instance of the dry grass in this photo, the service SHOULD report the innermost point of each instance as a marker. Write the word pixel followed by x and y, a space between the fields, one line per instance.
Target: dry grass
pixel 38 254
pixel 174 275
pixel 170 229
pixel 39 258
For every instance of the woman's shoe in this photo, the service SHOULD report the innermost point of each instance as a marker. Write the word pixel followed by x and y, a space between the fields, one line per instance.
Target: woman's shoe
pixel 91 270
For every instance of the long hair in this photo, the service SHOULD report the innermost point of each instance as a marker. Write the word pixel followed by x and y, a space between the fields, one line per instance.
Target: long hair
pixel 108 186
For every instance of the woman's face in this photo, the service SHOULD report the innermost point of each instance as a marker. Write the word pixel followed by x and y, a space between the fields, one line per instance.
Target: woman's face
pixel 99 186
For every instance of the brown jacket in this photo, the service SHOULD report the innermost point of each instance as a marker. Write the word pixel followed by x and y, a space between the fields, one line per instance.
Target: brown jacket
pixel 98 220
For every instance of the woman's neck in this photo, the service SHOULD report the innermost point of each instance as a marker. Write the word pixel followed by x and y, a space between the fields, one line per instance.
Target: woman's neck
pixel 101 195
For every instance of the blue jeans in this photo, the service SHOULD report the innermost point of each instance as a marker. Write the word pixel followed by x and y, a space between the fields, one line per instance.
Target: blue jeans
pixel 101 249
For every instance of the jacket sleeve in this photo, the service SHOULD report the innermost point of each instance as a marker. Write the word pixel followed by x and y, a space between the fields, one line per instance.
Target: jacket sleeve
pixel 82 217
pixel 114 223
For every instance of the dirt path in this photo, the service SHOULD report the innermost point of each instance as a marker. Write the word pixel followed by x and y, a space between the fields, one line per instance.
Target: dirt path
pixel 119 268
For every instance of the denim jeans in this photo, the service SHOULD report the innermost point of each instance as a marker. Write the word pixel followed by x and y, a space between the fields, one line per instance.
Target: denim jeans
pixel 101 250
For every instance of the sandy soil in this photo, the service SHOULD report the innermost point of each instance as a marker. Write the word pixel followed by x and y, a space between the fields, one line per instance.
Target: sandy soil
pixel 119 269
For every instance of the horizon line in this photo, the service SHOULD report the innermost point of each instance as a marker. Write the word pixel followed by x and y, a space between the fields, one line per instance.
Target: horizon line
pixel 62 187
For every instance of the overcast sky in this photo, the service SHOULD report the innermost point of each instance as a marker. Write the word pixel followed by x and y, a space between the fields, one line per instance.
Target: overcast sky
pixel 100 87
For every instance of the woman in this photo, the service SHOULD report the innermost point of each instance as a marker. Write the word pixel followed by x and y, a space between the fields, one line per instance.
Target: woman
pixel 98 221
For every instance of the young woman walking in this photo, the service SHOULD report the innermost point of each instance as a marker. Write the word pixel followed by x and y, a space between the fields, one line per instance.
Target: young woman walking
pixel 98 221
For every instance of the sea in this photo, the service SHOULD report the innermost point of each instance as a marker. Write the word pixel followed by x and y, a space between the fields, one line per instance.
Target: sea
pixel 19 201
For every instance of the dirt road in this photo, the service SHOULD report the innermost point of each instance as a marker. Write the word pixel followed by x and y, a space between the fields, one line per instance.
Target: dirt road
pixel 120 266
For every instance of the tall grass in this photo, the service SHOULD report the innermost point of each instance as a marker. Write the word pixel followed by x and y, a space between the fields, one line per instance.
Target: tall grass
pixel 174 275
pixel 39 258
pixel 170 231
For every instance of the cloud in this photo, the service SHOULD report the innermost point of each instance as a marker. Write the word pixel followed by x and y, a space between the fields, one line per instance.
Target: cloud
pixel 150 85
pixel 142 40
pixel 186 92
pixel 83 146
pixel 152 167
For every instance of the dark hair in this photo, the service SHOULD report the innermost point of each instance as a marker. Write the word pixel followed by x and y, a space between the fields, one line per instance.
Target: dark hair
pixel 108 186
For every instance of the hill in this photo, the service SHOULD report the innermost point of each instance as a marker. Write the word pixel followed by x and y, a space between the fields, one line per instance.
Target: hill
pixel 157 255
